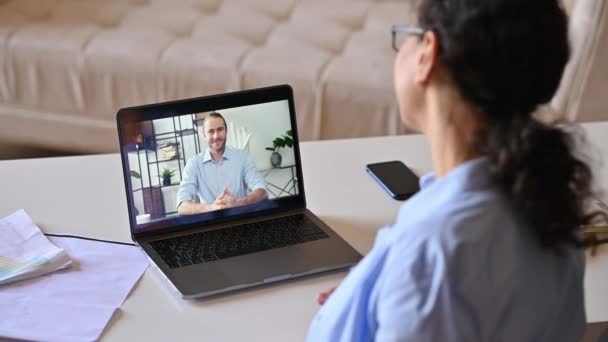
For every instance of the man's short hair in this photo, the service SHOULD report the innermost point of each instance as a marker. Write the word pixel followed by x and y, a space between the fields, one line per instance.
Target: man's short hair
pixel 214 115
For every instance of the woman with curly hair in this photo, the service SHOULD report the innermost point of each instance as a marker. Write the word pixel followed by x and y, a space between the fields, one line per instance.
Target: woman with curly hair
pixel 489 249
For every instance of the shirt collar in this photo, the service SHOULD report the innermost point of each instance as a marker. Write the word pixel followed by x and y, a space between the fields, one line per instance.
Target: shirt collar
pixel 427 179
pixel 207 155
pixel 472 174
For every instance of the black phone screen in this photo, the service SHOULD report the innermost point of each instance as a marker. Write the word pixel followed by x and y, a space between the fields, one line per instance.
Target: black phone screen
pixel 395 178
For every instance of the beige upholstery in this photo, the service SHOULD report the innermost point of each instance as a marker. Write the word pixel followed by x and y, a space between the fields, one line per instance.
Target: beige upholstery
pixel 67 66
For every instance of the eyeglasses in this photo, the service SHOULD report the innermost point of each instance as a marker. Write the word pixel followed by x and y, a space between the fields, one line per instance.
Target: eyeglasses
pixel 399 32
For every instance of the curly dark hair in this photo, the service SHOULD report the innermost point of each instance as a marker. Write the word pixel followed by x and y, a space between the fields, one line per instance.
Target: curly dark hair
pixel 507 57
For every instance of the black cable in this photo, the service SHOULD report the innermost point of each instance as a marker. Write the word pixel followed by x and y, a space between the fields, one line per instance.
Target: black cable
pixel 90 239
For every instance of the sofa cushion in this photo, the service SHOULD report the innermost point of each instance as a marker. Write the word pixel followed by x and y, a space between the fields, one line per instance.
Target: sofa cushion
pixel 88 58
pixel 67 66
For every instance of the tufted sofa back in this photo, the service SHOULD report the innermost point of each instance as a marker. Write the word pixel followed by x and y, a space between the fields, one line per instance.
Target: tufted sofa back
pixel 66 66
pixel 87 58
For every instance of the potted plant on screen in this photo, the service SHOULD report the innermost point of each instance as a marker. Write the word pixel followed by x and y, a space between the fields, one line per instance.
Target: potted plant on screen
pixel 166 174
pixel 135 174
pixel 282 141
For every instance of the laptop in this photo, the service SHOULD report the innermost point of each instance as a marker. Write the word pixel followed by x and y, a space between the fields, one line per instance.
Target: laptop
pixel 215 192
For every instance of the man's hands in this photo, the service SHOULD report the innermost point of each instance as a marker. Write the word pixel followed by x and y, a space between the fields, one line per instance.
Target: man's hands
pixel 229 199
pixel 225 200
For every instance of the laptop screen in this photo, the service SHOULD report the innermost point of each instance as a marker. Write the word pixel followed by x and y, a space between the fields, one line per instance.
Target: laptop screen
pixel 211 165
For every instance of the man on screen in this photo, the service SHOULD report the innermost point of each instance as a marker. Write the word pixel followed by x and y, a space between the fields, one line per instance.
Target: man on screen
pixel 220 176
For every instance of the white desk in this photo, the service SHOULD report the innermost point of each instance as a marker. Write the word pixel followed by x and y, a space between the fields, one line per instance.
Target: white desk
pixel 85 196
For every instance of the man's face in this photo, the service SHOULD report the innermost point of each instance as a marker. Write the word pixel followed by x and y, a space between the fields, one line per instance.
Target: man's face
pixel 215 133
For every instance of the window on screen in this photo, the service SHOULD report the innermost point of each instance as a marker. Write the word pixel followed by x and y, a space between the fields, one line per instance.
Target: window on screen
pixel 202 162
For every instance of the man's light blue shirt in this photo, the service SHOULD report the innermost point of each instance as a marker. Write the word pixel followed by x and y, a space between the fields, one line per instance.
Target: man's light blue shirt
pixel 458 265
pixel 206 179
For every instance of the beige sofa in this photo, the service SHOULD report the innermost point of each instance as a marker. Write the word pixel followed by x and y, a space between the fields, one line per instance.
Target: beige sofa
pixel 68 65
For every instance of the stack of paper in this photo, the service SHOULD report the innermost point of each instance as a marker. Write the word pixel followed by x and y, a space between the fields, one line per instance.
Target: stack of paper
pixel 25 252
pixel 76 303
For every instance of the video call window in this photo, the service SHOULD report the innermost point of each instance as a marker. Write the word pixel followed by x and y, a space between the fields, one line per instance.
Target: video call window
pixel 176 170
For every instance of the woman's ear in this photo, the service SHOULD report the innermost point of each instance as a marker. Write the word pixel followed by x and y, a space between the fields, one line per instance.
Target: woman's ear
pixel 426 57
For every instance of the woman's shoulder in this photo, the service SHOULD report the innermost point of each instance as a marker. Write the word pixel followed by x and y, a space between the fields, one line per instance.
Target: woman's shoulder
pixel 445 235
pixel 447 229
pixel 437 210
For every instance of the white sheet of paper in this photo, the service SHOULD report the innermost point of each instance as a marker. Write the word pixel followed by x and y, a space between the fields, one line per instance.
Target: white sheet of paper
pixel 74 304
pixel 24 251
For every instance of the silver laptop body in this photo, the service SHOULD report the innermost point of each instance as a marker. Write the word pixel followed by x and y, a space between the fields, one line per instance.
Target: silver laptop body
pixel 193 252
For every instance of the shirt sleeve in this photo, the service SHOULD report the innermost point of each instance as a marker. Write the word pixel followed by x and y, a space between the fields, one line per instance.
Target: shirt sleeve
pixel 189 183
pixel 416 301
pixel 253 178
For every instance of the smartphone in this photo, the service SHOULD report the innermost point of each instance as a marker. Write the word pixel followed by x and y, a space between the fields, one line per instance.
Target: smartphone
pixel 395 178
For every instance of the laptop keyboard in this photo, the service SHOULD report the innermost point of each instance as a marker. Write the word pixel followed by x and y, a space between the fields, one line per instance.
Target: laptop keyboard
pixel 237 240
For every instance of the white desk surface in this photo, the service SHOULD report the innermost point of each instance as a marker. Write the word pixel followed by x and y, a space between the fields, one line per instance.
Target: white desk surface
pixel 85 196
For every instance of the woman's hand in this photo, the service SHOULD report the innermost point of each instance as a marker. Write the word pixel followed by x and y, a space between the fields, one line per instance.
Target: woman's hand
pixel 323 296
